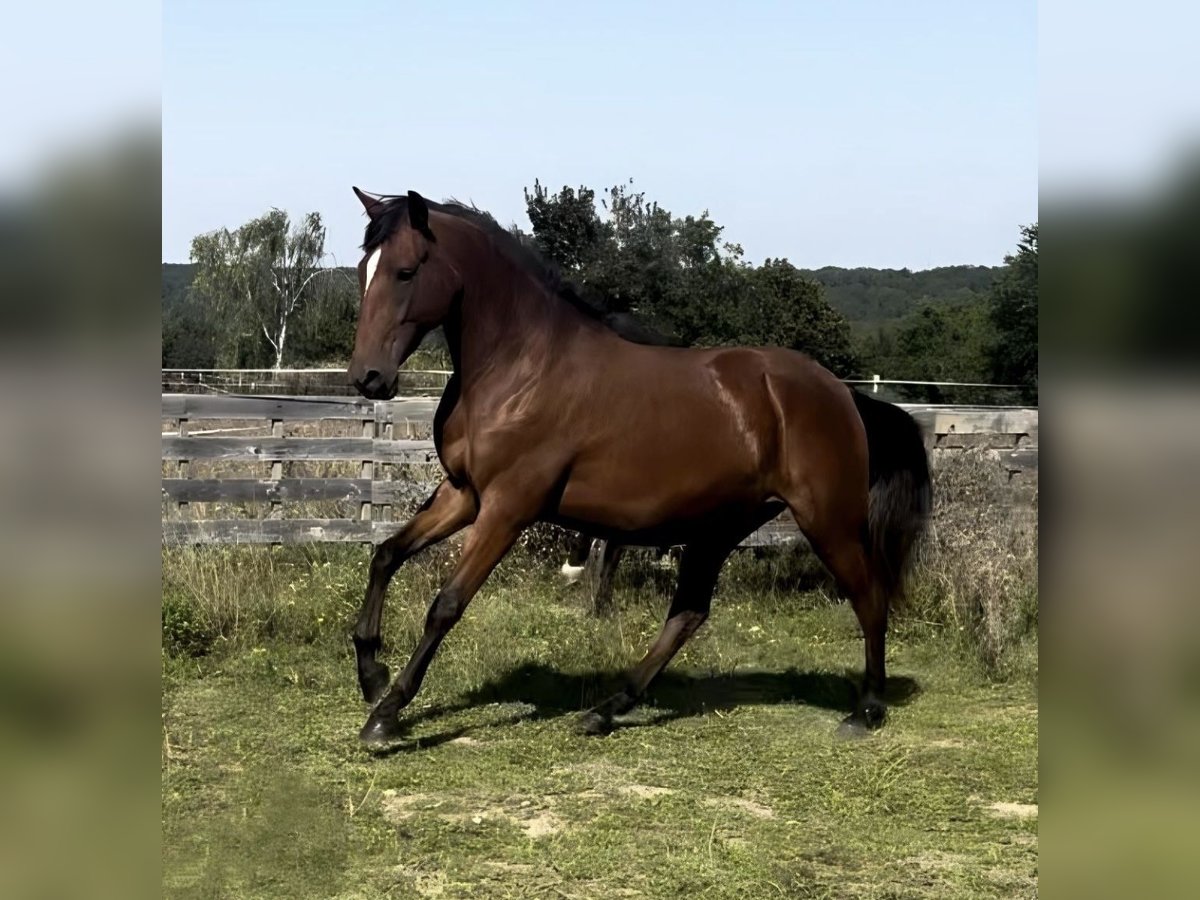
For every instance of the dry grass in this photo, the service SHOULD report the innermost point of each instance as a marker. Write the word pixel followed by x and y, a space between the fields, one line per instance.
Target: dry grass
pixel 978 567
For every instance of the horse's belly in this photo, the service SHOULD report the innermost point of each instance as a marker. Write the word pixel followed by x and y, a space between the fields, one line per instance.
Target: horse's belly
pixel 639 498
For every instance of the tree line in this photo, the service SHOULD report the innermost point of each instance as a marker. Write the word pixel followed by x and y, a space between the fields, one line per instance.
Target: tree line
pixel 261 295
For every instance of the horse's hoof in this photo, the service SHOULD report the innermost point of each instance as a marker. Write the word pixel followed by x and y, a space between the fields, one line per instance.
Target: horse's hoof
pixel 873 714
pixel 867 718
pixel 593 724
pixel 380 731
pixel 374 683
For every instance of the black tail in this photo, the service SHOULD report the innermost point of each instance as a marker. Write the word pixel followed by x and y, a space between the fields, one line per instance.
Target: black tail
pixel 901 494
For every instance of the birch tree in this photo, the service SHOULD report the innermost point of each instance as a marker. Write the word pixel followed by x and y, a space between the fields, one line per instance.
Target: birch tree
pixel 260 275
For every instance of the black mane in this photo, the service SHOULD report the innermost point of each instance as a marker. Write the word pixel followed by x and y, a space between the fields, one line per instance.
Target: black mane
pixel 520 250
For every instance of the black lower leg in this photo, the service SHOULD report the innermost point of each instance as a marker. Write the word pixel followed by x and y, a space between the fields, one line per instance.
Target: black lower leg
pixel 689 609
pixel 491 539
pixel 448 509
pixel 871 705
pixel 373 676
pixel 602 599
pixel 870 711
pixel 383 723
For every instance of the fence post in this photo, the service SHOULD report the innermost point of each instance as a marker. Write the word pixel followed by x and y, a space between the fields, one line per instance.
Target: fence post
pixel 276 470
pixel 389 433
pixel 181 471
pixel 874 384
pixel 368 468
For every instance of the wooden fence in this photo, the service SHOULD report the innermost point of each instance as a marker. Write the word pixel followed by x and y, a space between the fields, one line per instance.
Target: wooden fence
pixel 389 464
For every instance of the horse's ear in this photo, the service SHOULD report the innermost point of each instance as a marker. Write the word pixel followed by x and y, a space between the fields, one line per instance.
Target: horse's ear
pixel 418 212
pixel 372 204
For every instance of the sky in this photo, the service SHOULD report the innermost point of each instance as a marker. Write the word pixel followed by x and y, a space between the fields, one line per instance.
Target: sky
pixel 850 133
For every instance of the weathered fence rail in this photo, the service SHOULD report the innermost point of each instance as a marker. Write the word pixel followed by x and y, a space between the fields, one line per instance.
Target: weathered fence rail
pixel 396 464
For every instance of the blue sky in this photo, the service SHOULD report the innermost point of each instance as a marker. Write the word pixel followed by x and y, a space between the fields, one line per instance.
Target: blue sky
pixel 838 133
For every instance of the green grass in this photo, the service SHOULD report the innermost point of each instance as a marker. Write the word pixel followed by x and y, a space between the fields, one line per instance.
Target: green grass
pixel 730 783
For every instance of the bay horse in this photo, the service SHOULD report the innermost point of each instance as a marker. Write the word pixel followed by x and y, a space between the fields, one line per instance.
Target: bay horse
pixel 610 552
pixel 552 416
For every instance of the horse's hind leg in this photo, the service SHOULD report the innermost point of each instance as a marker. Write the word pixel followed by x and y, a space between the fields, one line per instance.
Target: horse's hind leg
pixel 847 558
pixel 693 596
pixel 609 559
pixel 448 509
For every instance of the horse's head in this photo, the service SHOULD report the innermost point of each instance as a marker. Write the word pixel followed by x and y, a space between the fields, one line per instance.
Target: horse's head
pixel 406 290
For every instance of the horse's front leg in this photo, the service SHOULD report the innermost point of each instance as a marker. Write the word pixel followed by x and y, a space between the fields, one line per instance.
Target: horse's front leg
pixel 494 533
pixel 448 510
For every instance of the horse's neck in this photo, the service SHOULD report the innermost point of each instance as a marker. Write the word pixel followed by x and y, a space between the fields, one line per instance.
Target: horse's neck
pixel 507 321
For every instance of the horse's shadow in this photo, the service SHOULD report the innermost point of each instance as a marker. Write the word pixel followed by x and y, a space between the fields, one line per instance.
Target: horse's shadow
pixel 544 693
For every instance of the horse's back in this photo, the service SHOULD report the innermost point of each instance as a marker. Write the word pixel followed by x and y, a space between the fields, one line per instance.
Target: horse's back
pixel 676 434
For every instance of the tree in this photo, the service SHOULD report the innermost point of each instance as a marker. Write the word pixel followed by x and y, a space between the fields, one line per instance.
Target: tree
pixel 323 331
pixel 681 276
pixel 257 277
pixel 629 260
pixel 190 336
pixel 937 343
pixel 785 308
pixel 1014 315
pixel 566 227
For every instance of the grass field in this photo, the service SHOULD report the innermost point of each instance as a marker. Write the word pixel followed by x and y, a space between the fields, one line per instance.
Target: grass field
pixel 730 783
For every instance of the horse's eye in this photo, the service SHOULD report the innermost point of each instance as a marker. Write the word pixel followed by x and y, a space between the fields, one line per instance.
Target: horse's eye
pixel 406 274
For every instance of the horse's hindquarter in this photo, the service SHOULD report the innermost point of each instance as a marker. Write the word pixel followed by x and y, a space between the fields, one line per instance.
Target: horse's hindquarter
pixel 669 436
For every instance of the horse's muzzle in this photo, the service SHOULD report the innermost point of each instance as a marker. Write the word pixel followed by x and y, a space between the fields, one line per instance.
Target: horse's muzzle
pixel 372 385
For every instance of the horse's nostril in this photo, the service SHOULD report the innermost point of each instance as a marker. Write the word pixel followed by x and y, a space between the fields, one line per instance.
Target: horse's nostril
pixel 372 377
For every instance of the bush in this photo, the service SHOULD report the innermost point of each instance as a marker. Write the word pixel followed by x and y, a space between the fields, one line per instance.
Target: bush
pixel 977 569
pixel 184 631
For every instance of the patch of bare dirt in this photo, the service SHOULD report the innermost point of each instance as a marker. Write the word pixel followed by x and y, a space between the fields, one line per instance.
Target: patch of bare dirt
pixel 938 861
pixel 609 779
pixel 536 822
pixel 426 884
pixel 398 807
pixel 643 791
pixel 1014 810
pixel 541 824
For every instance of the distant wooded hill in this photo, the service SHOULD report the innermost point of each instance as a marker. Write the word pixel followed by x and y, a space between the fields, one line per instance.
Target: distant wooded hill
pixel 871 298
pixel 867 298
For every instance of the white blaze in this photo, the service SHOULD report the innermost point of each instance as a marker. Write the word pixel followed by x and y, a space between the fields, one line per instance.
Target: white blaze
pixel 372 265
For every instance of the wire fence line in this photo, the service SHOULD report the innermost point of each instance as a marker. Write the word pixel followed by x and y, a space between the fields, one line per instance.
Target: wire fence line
pixel 334 382
pixel 876 380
